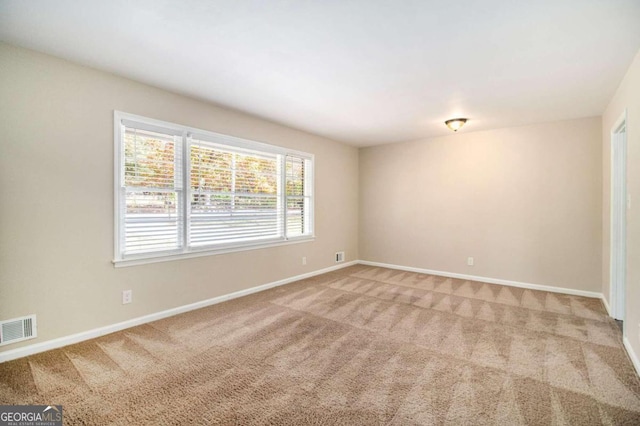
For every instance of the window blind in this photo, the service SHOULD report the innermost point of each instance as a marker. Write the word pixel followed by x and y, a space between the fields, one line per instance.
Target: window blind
pixel 181 190
pixel 297 196
pixel 152 191
pixel 234 195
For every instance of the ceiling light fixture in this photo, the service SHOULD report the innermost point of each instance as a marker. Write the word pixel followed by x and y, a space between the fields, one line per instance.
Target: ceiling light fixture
pixel 455 123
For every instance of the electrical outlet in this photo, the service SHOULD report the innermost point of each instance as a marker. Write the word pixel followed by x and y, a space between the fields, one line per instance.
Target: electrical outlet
pixel 470 261
pixel 339 256
pixel 127 296
pixel 304 260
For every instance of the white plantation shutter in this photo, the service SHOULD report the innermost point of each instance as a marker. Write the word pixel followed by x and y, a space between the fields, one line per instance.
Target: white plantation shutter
pixel 233 195
pixel 181 190
pixel 151 191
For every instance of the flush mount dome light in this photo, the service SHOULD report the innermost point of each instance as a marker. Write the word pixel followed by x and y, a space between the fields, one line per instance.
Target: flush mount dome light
pixel 455 123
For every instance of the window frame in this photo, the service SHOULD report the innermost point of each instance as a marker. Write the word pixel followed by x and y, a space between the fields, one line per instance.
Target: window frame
pixel 188 134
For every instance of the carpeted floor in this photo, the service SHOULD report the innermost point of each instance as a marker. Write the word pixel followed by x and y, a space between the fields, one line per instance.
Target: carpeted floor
pixel 362 345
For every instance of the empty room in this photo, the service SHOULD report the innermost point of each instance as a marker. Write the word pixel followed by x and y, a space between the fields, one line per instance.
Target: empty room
pixel 319 212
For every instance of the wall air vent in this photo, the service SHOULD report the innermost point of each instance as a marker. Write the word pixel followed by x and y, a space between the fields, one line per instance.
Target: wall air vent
pixel 17 329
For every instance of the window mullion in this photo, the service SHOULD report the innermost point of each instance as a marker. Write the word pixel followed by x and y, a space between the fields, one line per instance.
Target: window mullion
pixel 234 159
pixel 186 191
pixel 283 195
pixel 309 195
pixel 279 208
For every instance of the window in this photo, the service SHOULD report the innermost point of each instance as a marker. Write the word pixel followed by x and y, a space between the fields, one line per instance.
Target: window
pixel 186 192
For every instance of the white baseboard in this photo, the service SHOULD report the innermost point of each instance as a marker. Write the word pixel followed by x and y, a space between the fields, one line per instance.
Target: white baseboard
pixel 632 354
pixel 97 332
pixel 593 294
pixel 486 279
pixel 606 304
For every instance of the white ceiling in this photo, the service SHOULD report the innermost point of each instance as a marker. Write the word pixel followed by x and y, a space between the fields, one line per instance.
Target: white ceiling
pixel 364 72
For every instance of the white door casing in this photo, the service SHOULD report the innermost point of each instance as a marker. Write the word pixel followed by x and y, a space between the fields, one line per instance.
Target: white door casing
pixel 618 255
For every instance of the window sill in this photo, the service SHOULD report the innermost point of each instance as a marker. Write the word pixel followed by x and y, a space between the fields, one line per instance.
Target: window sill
pixel 134 261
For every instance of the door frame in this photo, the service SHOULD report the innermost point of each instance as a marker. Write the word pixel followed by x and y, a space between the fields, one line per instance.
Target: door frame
pixel 618 214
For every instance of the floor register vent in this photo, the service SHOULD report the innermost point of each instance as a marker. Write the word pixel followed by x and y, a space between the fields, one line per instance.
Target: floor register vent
pixel 17 329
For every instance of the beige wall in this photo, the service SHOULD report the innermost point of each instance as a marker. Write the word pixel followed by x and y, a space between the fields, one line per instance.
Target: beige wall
pixel 525 202
pixel 56 192
pixel 627 96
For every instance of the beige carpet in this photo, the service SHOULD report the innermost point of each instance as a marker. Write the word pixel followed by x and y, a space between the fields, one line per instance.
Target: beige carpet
pixel 362 345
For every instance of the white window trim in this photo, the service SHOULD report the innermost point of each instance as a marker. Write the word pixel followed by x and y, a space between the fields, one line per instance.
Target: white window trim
pixel 186 132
